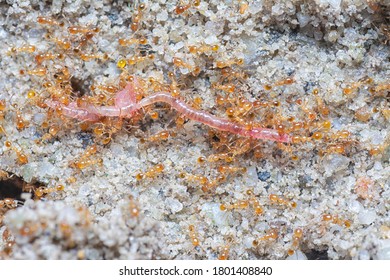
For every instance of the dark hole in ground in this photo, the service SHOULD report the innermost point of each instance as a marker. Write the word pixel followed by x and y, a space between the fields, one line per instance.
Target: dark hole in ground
pixel 79 87
pixel 317 255
pixel 12 186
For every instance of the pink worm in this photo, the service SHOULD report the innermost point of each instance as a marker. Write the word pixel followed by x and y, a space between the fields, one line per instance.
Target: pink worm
pixel 126 106
pixel 213 121
pixel 72 110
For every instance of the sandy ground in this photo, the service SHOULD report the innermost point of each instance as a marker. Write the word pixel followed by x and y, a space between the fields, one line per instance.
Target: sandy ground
pixel 336 49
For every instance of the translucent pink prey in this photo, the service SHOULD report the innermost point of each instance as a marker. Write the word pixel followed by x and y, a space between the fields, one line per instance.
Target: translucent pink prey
pixel 126 105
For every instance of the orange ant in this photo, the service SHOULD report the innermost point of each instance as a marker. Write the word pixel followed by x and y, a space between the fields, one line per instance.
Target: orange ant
pixel 296 238
pixel 182 8
pixel 203 49
pixel 224 250
pixel 82 30
pixel 178 62
pixel 271 235
pixel 231 169
pixel 173 87
pixel 255 203
pixel 336 220
pixel 41 191
pixel 206 184
pixel 137 16
pixel 53 130
pixel 40 58
pixel 49 21
pixel 351 88
pixel 23 49
pixel 62 43
pixel 22 158
pixel 41 71
pixel 151 172
pixel 229 73
pixel 9 203
pixel 20 122
pixel 229 63
pixel 134 210
pixel 160 136
pixel 281 201
pixel 243 7
pixel 139 59
pixel 243 204
pixel 88 57
pixel 379 149
pixel 287 81
pixel 193 235
pixel 133 41
pixel 228 88
pixel 84 161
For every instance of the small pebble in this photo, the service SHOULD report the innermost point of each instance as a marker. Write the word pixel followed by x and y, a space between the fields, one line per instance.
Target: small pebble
pixel 263 176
